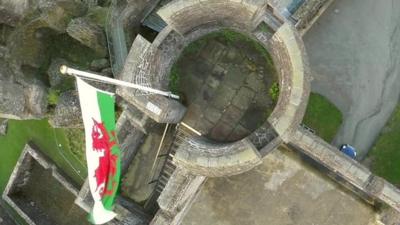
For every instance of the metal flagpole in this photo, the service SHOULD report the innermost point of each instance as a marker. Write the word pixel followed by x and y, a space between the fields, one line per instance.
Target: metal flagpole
pixel 73 72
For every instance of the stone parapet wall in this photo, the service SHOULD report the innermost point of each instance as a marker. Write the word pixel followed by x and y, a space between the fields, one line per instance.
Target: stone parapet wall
pixel 177 197
pixel 344 167
pixel 309 12
pixel 19 177
pixel 167 47
pixel 202 157
pixel 21 174
pixel 186 15
pixel 137 66
pixel 84 198
pixel 187 21
pixel 292 66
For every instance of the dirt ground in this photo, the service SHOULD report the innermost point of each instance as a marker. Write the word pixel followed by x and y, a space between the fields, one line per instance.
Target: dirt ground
pixel 354 54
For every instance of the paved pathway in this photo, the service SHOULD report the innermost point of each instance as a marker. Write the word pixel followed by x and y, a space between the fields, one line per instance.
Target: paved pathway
pixel 354 52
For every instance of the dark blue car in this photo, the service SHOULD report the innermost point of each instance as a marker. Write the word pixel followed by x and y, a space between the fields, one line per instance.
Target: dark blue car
pixel 348 150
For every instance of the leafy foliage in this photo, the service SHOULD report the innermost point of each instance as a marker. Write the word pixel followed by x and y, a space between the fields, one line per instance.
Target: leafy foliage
pixel 53 97
pixel 274 91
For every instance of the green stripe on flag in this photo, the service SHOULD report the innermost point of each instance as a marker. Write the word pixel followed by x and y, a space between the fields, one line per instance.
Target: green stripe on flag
pixel 107 112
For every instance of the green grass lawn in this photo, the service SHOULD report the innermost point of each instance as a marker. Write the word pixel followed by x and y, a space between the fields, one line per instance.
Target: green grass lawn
pixel 323 117
pixel 386 151
pixel 47 139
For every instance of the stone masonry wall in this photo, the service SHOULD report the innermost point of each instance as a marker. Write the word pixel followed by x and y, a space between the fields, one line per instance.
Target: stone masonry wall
pixel 167 47
pixel 186 15
pixel 177 197
pixel 291 63
pixel 307 11
pixel 206 159
pixel 21 174
pixel 217 160
pixel 351 171
pixel 138 66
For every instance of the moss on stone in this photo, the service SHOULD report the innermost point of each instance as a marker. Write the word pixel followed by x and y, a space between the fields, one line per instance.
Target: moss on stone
pixel 174 79
pixel 98 15
pixel 53 96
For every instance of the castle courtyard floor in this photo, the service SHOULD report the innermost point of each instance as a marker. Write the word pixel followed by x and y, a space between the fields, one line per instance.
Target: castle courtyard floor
pixel 225 84
pixel 282 191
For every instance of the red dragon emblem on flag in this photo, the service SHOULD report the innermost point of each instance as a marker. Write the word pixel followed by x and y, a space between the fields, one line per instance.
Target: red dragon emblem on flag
pixel 102 142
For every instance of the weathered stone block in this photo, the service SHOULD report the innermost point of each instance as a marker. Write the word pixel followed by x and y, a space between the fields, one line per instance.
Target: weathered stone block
pixel 99 64
pixel 89 34
pixel 12 100
pixel 3 127
pixel 58 14
pixel 36 100
pixel 8 17
pixel 68 111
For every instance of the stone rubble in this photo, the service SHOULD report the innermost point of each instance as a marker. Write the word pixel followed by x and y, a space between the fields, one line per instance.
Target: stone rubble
pixel 3 127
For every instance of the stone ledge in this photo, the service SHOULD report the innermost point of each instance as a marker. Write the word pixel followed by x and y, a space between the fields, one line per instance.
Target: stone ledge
pixel 202 157
pixel 177 197
pixel 21 174
pixel 350 170
pixel 138 65
pixel 292 64
pixel 185 15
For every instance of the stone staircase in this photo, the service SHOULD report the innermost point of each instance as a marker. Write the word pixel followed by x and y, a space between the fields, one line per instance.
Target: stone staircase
pixel 182 134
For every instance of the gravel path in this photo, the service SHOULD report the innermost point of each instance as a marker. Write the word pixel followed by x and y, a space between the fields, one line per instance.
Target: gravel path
pixel 354 52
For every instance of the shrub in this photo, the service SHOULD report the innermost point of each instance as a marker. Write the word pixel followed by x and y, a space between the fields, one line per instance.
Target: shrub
pixel 53 96
pixel 274 92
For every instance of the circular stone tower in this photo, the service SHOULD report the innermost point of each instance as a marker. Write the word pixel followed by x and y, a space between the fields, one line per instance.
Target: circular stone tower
pixel 199 157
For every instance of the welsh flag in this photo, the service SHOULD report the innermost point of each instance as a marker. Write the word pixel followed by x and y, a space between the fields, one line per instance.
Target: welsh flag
pixel 102 151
